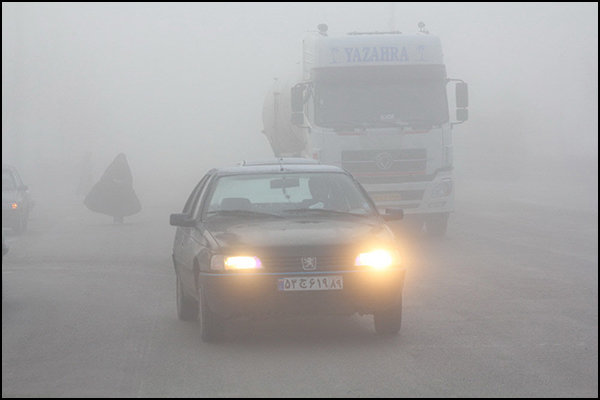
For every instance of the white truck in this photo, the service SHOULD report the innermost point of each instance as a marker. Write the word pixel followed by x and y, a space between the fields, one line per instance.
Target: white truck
pixel 374 103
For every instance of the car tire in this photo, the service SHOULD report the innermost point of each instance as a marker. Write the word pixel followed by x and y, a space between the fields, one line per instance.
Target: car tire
pixel 387 322
pixel 436 226
pixel 187 308
pixel 211 326
pixel 21 225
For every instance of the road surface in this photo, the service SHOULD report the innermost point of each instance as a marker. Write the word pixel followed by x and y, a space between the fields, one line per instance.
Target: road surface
pixel 505 306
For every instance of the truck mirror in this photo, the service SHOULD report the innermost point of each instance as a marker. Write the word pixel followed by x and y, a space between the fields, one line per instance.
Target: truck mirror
pixel 462 114
pixel 297 98
pixel 462 95
pixel 297 118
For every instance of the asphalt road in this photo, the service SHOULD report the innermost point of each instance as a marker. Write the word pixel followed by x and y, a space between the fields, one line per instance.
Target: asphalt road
pixel 505 306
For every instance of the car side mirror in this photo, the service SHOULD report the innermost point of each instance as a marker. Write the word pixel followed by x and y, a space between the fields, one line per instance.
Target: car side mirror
pixel 393 214
pixel 184 220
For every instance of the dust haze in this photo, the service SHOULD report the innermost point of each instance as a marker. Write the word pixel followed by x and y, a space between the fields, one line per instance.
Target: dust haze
pixel 179 88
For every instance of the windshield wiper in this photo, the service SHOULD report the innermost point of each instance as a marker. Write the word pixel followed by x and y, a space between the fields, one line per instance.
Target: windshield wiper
pixel 242 213
pixel 324 211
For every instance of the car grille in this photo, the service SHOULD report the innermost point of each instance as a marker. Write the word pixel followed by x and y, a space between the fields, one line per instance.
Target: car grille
pixel 295 263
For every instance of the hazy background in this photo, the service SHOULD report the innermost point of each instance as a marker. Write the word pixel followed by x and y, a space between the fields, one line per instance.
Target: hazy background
pixel 179 87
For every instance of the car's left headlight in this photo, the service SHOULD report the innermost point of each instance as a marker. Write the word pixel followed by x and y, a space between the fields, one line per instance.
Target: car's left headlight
pixel 379 259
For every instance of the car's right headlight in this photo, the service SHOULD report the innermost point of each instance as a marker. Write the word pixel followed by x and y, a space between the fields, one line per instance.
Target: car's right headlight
pixel 235 263
pixel 378 259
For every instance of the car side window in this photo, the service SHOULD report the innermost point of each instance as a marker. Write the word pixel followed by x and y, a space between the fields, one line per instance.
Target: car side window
pixel 201 195
pixel 8 180
pixel 18 179
pixel 193 198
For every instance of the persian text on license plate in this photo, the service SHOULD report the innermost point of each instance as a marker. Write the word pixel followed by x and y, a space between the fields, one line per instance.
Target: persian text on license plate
pixel 332 282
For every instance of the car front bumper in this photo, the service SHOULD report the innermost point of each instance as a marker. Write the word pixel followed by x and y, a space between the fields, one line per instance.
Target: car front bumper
pixel 11 217
pixel 233 295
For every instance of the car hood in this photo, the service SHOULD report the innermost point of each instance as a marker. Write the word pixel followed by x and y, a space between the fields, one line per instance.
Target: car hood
pixel 298 233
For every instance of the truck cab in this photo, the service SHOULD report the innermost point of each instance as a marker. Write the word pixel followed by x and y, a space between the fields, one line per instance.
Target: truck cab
pixel 376 104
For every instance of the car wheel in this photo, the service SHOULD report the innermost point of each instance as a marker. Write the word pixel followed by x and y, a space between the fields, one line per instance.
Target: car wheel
pixel 187 308
pixel 387 322
pixel 21 225
pixel 436 226
pixel 211 326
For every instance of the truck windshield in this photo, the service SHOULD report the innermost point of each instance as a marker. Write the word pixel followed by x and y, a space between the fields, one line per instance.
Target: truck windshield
pixel 373 98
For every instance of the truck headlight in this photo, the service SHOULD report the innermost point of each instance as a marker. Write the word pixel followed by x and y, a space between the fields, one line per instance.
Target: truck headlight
pixel 442 189
pixel 377 259
pixel 234 263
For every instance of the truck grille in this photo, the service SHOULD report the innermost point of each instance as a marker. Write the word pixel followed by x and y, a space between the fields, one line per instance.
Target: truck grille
pixel 385 166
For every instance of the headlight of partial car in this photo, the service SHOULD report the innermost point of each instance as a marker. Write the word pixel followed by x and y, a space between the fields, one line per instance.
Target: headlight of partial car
pixel 13 205
pixel 377 259
pixel 234 263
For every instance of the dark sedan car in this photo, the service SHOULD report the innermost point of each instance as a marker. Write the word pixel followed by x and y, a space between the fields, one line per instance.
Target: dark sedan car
pixel 16 200
pixel 287 237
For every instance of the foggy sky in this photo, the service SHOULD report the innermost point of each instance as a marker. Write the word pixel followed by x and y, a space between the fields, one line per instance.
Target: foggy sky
pixel 179 87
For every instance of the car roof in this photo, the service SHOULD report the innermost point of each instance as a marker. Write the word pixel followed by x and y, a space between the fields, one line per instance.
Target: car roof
pixel 277 165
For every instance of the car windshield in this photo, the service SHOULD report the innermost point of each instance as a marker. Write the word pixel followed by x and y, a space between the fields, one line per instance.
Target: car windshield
pixel 8 181
pixel 285 194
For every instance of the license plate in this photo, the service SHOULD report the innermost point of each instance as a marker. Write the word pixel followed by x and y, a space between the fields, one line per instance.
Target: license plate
pixel 332 282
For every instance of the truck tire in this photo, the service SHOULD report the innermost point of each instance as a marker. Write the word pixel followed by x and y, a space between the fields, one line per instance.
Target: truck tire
pixel 187 308
pixel 387 322
pixel 211 325
pixel 437 225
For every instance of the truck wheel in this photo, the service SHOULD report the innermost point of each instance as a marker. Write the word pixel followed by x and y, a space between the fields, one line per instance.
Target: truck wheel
pixel 187 308
pixel 387 322
pixel 211 326
pixel 437 225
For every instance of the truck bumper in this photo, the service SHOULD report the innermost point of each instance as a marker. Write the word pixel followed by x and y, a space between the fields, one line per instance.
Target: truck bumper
pixel 422 197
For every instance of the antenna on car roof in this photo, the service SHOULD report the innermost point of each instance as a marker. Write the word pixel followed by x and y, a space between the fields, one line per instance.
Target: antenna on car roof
pixel 281 163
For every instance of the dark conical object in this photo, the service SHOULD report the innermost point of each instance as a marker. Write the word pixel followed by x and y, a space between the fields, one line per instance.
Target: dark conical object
pixel 113 194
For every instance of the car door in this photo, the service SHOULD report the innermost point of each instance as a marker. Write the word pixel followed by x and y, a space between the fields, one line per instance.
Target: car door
pixel 182 234
pixel 193 240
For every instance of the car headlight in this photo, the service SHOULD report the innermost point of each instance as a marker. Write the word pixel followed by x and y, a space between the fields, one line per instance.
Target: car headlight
pixel 234 263
pixel 377 259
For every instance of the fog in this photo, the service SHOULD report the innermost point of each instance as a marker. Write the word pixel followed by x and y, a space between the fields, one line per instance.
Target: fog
pixel 505 305
pixel 179 87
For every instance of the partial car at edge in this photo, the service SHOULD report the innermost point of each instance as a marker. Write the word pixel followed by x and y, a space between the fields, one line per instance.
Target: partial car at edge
pixel 16 200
